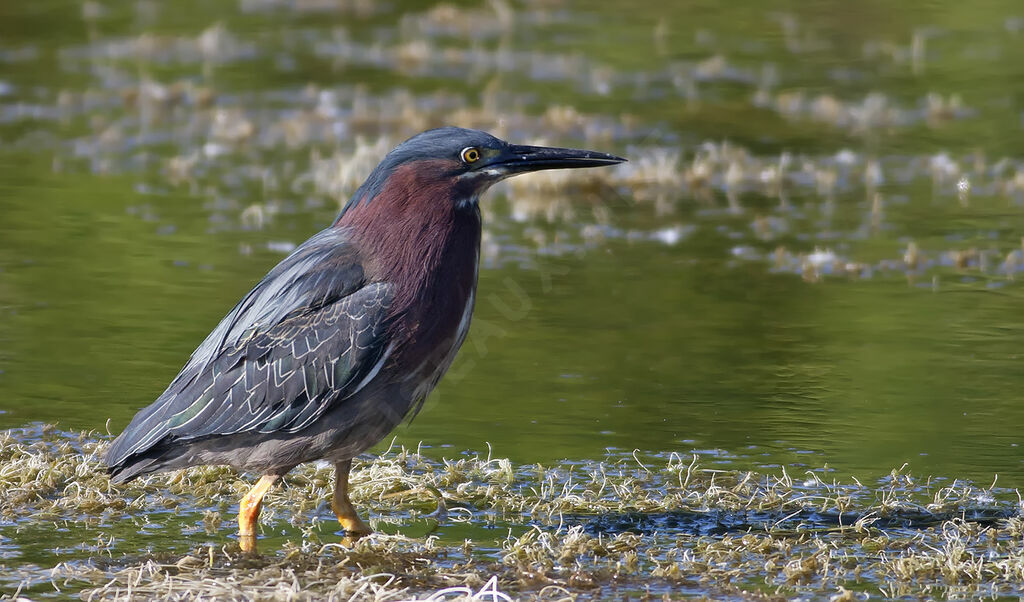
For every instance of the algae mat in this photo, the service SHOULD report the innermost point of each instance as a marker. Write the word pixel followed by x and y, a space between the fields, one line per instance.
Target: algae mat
pixel 479 526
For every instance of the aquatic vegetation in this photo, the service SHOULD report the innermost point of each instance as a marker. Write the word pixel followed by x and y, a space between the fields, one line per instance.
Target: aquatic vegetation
pixel 626 525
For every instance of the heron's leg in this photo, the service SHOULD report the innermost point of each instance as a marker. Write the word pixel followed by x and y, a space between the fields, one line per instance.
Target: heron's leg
pixel 249 512
pixel 342 506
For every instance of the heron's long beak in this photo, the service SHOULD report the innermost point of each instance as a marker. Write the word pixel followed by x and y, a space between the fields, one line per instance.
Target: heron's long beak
pixel 520 159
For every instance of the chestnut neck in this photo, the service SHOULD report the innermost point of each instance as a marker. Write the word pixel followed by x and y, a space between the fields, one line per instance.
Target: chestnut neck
pixel 416 234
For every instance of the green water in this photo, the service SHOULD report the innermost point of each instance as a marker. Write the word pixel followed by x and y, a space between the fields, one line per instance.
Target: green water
pixel 111 273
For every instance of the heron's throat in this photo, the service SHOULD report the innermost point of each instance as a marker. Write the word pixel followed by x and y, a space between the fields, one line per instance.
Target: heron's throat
pixel 468 203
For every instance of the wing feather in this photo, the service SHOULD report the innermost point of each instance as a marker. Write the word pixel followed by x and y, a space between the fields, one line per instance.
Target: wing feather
pixel 311 333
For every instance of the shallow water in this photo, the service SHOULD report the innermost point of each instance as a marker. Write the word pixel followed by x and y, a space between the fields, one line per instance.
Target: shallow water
pixel 631 524
pixel 839 284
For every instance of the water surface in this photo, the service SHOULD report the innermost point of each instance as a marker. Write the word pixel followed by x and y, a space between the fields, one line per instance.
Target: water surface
pixel 155 163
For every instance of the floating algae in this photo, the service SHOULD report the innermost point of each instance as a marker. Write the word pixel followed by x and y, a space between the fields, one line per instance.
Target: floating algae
pixel 627 526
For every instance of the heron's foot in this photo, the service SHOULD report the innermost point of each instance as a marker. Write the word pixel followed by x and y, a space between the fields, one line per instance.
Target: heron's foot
pixel 349 519
pixel 249 513
pixel 248 543
pixel 342 506
pixel 248 516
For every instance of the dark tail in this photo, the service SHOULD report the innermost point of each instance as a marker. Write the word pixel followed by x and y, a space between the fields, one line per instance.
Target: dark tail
pixel 126 461
pixel 122 473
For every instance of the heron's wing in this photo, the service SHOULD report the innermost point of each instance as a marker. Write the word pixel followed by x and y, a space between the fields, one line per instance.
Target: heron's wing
pixel 319 272
pixel 310 333
pixel 284 378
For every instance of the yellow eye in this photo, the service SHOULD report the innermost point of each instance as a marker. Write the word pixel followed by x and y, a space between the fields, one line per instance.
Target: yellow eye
pixel 470 154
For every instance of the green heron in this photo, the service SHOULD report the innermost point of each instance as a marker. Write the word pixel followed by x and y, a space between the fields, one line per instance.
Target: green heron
pixel 345 337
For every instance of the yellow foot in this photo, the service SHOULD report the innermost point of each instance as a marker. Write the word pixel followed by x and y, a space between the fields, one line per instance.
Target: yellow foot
pixel 249 513
pixel 248 543
pixel 349 520
pixel 342 506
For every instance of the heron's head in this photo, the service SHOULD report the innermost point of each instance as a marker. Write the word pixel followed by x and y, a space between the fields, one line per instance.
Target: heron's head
pixel 459 164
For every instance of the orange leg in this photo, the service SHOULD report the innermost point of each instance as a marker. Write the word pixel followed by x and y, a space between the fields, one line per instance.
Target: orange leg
pixel 249 512
pixel 342 506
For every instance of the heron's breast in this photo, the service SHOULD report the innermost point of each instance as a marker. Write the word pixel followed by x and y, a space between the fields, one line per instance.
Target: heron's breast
pixel 438 326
